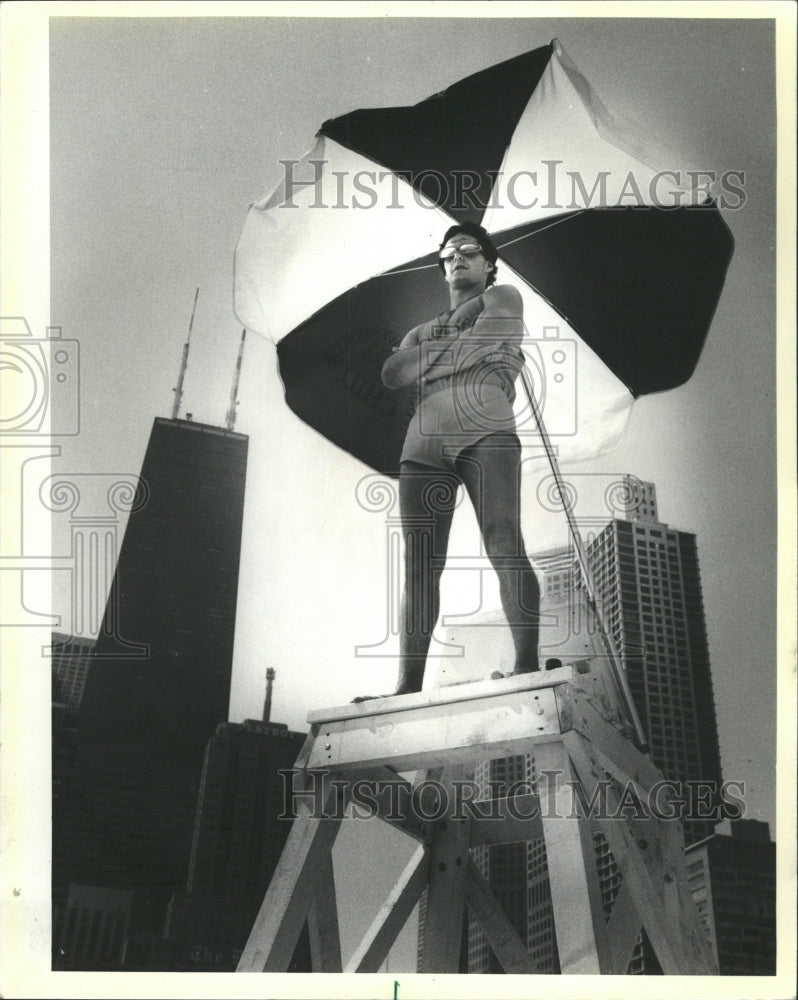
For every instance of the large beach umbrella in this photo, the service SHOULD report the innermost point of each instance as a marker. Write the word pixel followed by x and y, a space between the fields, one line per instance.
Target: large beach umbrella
pixel 619 255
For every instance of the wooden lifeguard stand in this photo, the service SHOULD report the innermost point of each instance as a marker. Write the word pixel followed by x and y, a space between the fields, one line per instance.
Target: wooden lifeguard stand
pixel 580 723
pixel 573 719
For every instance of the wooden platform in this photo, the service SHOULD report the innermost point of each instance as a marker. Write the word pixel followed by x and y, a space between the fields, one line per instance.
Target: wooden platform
pixel 569 719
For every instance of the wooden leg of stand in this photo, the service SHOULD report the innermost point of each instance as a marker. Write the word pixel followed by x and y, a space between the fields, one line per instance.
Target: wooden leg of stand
pixel 573 875
pixel 291 892
pixel 447 882
pixel 663 934
pixel 325 942
pixel 679 900
pixel 623 930
pixel 639 859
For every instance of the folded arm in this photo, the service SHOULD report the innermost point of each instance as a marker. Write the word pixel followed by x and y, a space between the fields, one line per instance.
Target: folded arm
pixel 501 319
pixel 404 366
pixel 498 324
pixel 489 322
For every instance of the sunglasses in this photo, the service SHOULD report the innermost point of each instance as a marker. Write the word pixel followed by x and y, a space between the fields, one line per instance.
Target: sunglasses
pixel 465 250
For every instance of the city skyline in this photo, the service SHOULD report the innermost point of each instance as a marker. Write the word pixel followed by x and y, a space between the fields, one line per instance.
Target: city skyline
pixel 670 573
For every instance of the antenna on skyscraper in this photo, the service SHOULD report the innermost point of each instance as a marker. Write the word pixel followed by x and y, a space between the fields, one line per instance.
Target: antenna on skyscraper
pixel 231 411
pixel 178 390
pixel 267 702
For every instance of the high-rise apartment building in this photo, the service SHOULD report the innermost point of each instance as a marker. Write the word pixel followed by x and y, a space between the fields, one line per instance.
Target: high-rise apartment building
pixel 648 587
pixel 555 570
pixel 159 679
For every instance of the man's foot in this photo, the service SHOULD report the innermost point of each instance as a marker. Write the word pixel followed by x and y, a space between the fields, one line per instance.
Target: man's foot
pixel 373 697
pixel 410 681
pixel 497 675
pixel 552 663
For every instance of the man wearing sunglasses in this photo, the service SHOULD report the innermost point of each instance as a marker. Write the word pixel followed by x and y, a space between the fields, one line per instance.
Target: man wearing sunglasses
pixel 464 363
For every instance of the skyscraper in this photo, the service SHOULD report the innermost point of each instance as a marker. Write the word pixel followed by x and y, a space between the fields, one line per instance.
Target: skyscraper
pixel 237 842
pixel 649 588
pixel 555 567
pixel 733 880
pixel 164 654
pixel 159 680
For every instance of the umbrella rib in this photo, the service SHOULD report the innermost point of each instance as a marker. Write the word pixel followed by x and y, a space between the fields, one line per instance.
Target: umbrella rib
pixel 537 232
pixel 407 270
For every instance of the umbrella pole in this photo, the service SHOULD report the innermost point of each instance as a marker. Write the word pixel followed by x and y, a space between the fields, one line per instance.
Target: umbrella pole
pixel 584 567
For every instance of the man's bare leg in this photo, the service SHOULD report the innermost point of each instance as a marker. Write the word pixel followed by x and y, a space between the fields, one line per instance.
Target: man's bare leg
pixel 427 498
pixel 491 472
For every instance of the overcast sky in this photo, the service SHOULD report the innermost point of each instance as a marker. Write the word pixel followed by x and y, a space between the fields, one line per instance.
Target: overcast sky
pixel 163 131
